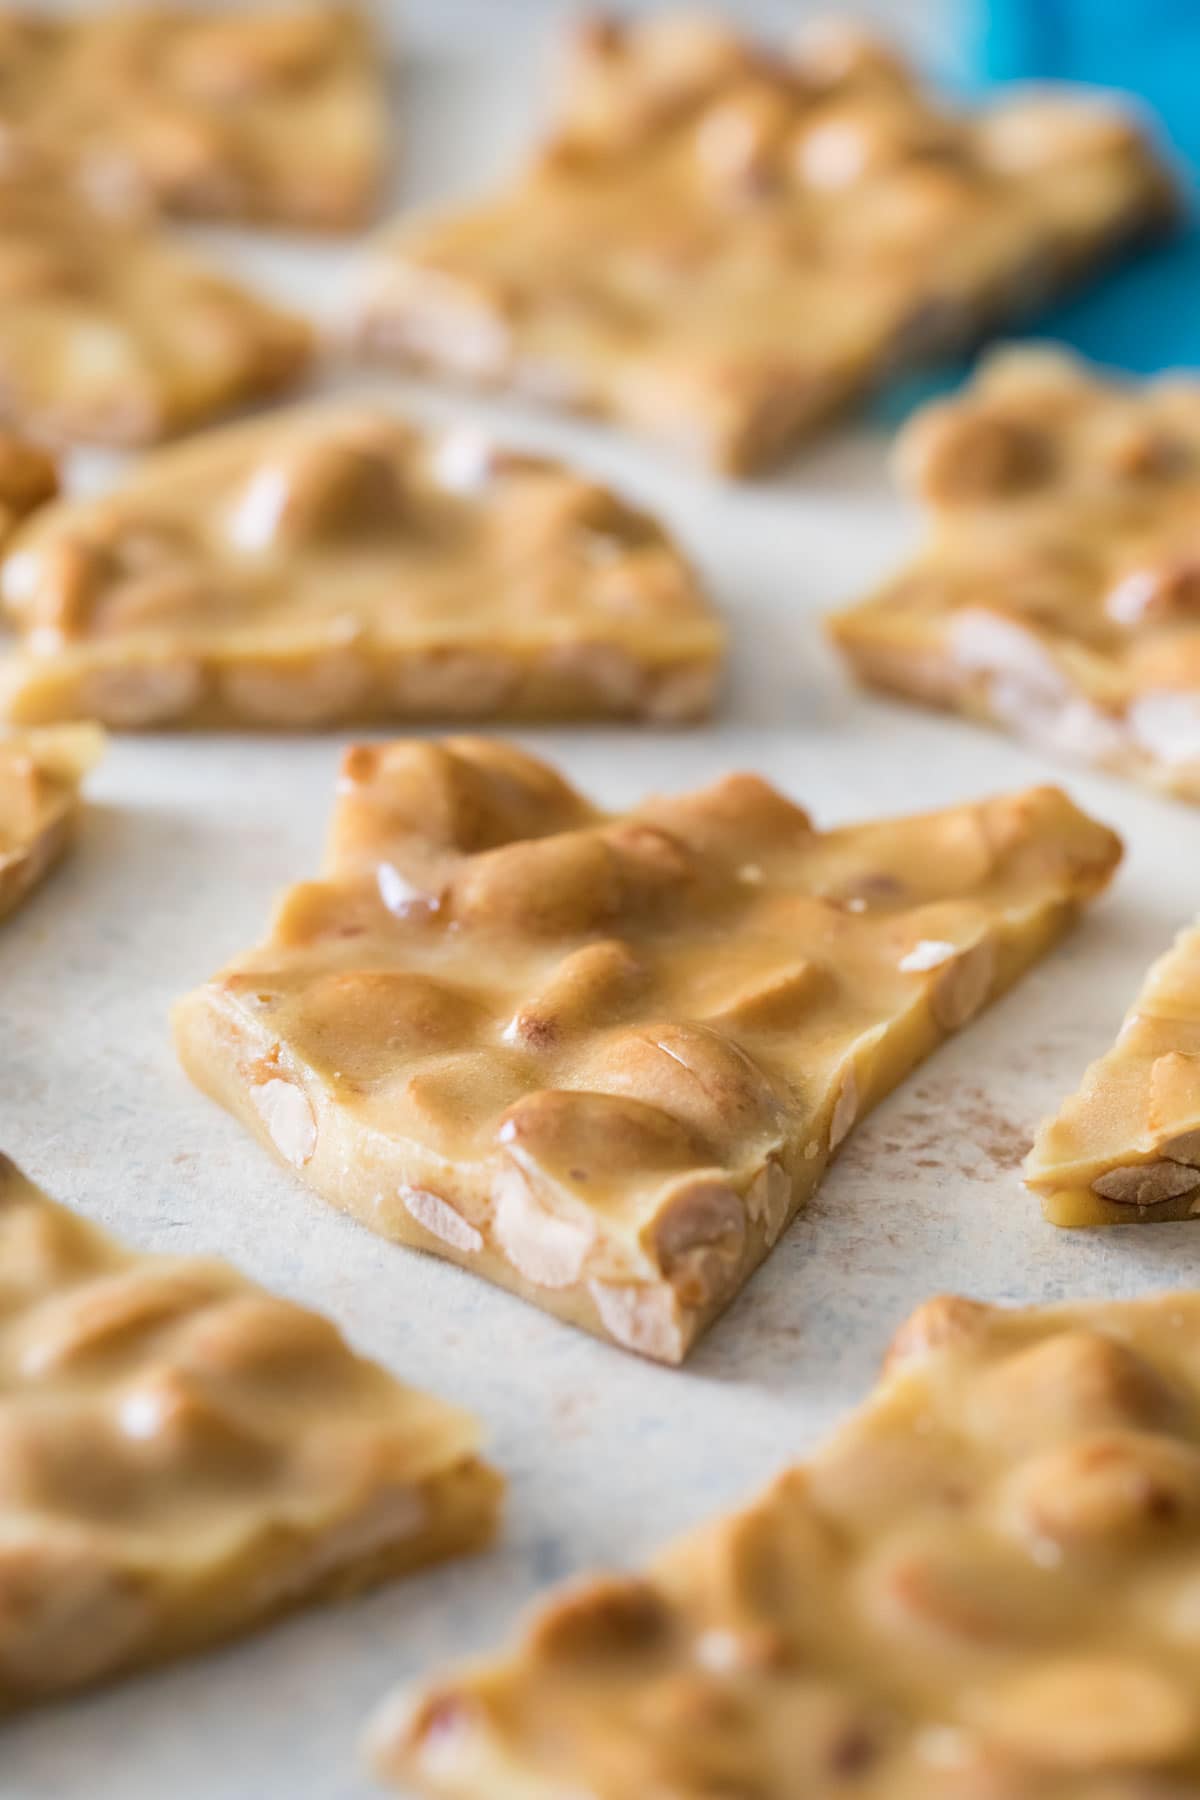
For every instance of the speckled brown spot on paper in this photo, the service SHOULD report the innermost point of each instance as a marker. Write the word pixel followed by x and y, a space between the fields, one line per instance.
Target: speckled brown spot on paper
pixel 951 1128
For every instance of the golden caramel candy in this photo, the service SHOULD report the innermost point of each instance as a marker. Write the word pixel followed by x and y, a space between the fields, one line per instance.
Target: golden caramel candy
pixel 184 1456
pixel 1126 1147
pixel 1058 594
pixel 722 246
pixel 273 114
pixel 602 1059
pixel 28 479
pixel 986 1586
pixel 40 777
pixel 335 564
pixel 108 333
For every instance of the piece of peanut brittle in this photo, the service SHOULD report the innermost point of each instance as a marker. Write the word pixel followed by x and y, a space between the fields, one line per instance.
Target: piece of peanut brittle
pixel 603 1059
pixel 111 334
pixel 1058 595
pixel 28 480
pixel 1126 1147
pixel 40 777
pixel 265 113
pixel 985 1586
pixel 722 245
pixel 334 564
pixel 183 1456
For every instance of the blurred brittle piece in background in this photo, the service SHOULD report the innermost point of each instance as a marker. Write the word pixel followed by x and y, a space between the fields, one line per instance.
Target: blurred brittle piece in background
pixel 723 245
pixel 271 114
pixel 1058 593
pixel 109 332
pixel 335 564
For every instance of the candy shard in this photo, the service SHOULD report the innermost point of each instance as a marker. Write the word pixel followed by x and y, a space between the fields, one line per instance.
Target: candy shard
pixel 583 1054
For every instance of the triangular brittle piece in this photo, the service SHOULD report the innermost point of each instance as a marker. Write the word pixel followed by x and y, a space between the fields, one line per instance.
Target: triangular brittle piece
pixel 110 334
pixel 40 776
pixel 602 1059
pixel 335 564
pixel 1126 1147
pixel 1058 595
pixel 268 112
pixel 984 1585
pixel 182 1456
pixel 723 245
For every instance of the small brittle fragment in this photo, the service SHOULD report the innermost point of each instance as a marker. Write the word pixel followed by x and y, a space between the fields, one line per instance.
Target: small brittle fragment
pixel 985 1586
pixel 1125 1148
pixel 587 1055
pixel 183 1456
pixel 40 777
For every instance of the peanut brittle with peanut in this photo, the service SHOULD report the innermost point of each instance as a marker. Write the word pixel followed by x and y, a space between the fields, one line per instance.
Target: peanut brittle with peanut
pixel 108 333
pixel 28 480
pixel 336 564
pixel 1058 594
pixel 985 1586
pixel 602 1059
pixel 267 113
pixel 1126 1147
pixel 722 245
pixel 40 777
pixel 183 1456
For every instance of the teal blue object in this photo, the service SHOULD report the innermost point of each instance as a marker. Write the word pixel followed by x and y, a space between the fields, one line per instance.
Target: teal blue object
pixel 1147 48
pixel 1145 315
